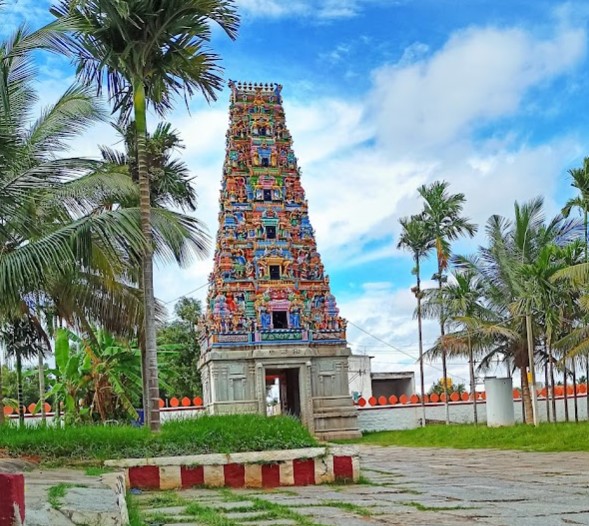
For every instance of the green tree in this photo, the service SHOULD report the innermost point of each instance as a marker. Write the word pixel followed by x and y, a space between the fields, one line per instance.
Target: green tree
pixel 462 300
pixel 23 340
pixel 416 238
pixel 580 181
pixel 147 51
pixel 442 212
pixel 179 338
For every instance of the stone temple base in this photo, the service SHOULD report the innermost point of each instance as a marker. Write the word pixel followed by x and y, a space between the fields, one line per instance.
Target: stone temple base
pixel 313 384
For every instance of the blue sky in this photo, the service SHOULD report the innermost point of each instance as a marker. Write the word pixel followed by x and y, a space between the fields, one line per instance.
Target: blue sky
pixel 382 96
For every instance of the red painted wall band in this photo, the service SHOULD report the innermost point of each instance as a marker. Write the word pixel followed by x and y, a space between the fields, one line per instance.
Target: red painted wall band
pixel 270 475
pixel 304 472
pixel 144 477
pixel 192 476
pixel 343 468
pixel 234 475
pixel 12 491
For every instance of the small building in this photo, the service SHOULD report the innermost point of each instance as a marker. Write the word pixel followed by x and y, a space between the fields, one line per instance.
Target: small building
pixel 393 383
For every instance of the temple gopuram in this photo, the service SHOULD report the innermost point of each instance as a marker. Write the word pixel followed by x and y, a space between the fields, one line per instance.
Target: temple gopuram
pixel 271 323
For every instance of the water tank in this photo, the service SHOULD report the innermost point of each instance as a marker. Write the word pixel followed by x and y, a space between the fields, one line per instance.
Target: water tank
pixel 499 401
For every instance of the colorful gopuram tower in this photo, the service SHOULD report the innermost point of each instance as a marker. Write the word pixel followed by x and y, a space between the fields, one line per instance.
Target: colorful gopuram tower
pixel 271 318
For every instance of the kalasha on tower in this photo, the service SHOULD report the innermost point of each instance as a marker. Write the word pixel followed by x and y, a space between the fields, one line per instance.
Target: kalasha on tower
pixel 271 318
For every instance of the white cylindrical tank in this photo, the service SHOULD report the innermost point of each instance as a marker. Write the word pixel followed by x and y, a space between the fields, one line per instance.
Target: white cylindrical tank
pixel 499 401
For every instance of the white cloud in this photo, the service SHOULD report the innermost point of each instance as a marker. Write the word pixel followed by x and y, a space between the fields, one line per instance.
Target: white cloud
pixel 321 9
pixel 479 75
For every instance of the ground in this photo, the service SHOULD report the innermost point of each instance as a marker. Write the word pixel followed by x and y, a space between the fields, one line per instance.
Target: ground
pixel 408 487
pixel 400 486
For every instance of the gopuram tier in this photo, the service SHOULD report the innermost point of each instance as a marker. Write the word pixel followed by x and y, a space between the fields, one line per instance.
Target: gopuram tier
pixel 271 319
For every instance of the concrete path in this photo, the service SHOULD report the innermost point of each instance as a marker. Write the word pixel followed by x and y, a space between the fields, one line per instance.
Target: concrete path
pixel 86 499
pixel 404 486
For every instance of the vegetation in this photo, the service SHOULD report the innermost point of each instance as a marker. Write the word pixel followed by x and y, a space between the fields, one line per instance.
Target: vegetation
pixel 521 299
pixel 206 434
pixel 545 437
pixel 145 52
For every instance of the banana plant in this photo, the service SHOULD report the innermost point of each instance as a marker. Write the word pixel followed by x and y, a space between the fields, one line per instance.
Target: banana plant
pixel 70 378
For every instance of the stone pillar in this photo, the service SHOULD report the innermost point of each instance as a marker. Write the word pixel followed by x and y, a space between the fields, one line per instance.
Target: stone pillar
pixel 12 499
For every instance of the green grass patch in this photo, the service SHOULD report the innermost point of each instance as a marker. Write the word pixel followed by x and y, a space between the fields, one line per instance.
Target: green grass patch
pixel 96 471
pixel 135 518
pixel 348 506
pixel 56 494
pixel 422 507
pixel 166 499
pixel 208 516
pixel 270 510
pixel 544 438
pixel 205 434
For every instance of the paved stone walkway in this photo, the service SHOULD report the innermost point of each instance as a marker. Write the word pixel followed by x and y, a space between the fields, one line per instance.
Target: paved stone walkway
pixel 404 486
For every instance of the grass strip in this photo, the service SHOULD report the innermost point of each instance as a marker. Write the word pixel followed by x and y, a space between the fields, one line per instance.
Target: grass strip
pixel 56 494
pixel 348 506
pixel 205 434
pixel 423 507
pixel 544 438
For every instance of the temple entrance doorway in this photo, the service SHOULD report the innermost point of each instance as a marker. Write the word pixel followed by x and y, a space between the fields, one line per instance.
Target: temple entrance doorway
pixel 283 389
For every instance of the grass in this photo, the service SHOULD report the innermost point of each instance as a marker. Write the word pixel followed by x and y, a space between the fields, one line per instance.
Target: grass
pixel 96 471
pixel 348 506
pixel 544 438
pixel 134 513
pixel 56 494
pixel 206 434
pixel 422 507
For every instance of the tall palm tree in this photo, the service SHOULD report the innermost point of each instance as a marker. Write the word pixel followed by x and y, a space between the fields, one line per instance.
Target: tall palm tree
pixel 147 51
pixel 462 300
pixel 416 238
pixel 443 214
pixel 580 181
pixel 169 183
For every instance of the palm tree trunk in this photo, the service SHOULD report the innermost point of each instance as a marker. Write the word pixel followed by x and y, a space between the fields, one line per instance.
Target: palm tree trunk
pixel 1 391
pixel 473 387
pixel 444 356
pixel 552 383
pixel 139 105
pixel 532 369
pixel 19 391
pixel 574 372
pixel 586 384
pixel 547 384
pixel 526 400
pixel 565 384
pixel 42 389
pixel 420 336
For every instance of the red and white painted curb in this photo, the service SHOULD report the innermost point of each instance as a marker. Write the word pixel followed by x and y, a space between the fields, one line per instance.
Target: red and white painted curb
pixel 266 469
pixel 12 499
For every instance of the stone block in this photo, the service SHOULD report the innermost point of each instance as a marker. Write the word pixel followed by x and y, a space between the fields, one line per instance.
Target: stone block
pixel 253 476
pixel 214 476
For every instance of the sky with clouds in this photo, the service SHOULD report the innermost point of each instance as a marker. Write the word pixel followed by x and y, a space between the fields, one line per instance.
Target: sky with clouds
pixel 382 96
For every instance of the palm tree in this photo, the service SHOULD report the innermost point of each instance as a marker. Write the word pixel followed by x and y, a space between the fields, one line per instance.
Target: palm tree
pixel 580 177
pixel 24 340
pixel 169 183
pixel 169 177
pixel 516 267
pixel 416 238
pixel 462 300
pixel 147 51
pixel 442 213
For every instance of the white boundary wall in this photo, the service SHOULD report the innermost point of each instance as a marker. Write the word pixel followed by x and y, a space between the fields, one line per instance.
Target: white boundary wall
pixel 397 417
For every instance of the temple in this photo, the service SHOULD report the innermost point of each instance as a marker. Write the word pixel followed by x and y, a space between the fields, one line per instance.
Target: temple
pixel 271 319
